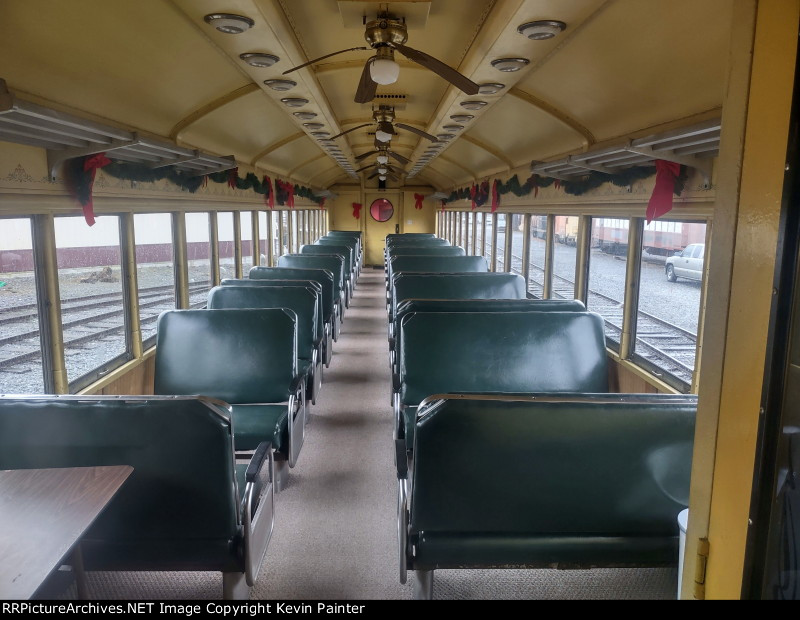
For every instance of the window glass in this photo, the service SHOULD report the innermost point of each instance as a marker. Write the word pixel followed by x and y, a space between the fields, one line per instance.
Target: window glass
pixel 155 268
pixel 264 236
pixel 478 249
pixel 198 257
pixel 90 283
pixel 225 237
pixel 502 230
pixel 246 219
pixel 487 245
pixel 607 267
pixel 565 237
pixel 515 223
pixel 536 267
pixel 21 370
pixel 669 299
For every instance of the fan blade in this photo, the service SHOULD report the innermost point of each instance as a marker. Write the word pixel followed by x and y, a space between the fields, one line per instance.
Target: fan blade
pixel 373 175
pixel 437 66
pixel 365 167
pixel 366 87
pixel 392 177
pixel 419 132
pixel 399 157
pixel 363 155
pixel 311 62
pixel 339 135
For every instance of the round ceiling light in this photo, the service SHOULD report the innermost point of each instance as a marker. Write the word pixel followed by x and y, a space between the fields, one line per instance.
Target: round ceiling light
pixel 490 88
pixel 257 59
pixel 382 177
pixel 444 137
pixel 383 136
pixel 542 29
pixel 382 159
pixel 294 102
pixel 313 126
pixel 453 127
pixel 382 171
pixel 509 64
pixel 321 134
pixel 306 116
pixel 229 23
pixel 280 84
pixel 473 104
pixel 461 118
pixel 384 71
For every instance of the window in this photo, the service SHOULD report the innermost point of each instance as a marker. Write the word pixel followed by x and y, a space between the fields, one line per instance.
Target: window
pixel 565 237
pixel 246 226
pixel 607 267
pixel 198 257
pixel 263 232
pixel 536 261
pixel 155 269
pixel 669 307
pixel 21 369
pixel 502 230
pixel 487 238
pixel 90 281
pixel 478 249
pixel 515 230
pixel 227 267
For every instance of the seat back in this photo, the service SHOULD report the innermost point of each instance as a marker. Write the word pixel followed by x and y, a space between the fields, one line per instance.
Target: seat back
pixel 302 300
pixel 571 465
pixel 325 276
pixel 297 262
pixel 314 285
pixel 239 356
pixel 456 286
pixel 332 246
pixel 402 240
pixel 512 352
pixel 429 250
pixel 182 487
pixel 428 263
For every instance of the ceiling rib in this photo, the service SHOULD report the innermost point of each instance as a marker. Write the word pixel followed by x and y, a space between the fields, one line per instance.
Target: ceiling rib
pixel 455 163
pixel 211 107
pixel 586 135
pixel 276 145
pixel 306 162
pixel 489 149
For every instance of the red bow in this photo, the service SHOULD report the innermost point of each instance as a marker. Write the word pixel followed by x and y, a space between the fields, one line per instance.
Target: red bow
pixel 661 200
pixel 357 210
pixel 233 174
pixel 444 202
pixel 290 195
pixel 495 196
pixel 91 165
pixel 322 203
pixel 472 191
pixel 269 195
pixel 418 201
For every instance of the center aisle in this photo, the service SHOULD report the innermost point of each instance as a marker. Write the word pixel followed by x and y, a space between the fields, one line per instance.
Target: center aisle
pixel 335 524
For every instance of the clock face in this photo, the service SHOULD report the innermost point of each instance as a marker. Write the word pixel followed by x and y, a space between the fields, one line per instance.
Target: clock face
pixel 381 210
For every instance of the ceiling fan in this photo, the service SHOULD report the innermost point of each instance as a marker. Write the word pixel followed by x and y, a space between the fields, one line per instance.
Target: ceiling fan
pixel 383 151
pixel 384 117
pixel 385 35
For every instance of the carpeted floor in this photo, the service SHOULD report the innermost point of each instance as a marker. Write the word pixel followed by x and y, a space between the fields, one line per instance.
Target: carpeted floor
pixel 335 530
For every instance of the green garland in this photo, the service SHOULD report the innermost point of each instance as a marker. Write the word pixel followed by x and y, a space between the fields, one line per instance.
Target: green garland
pixel 578 187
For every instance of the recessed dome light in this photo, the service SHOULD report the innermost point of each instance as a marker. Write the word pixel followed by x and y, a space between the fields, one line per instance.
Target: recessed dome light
pixel 280 84
pixel 509 64
pixel 229 23
pixel 257 59
pixel 314 126
pixel 444 137
pixel 294 102
pixel 306 116
pixel 453 127
pixel 490 88
pixel 473 104
pixel 320 134
pixel 461 118
pixel 542 29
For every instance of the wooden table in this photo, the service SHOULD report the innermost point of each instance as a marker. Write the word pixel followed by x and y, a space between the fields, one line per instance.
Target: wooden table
pixel 43 514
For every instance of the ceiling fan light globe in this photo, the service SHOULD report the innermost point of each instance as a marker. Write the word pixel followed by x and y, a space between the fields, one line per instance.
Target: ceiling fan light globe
pixel 384 71
pixel 383 136
pixel 383 159
pixel 382 170
pixel 382 177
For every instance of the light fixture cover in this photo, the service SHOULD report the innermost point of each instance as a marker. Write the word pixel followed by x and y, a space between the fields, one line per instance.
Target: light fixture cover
pixel 382 170
pixel 473 104
pixel 382 177
pixel 453 127
pixel 444 137
pixel 320 134
pixel 383 136
pixel 280 84
pixel 490 88
pixel 384 71
pixel 542 29
pixel 314 126
pixel 383 159
pixel 294 102
pixel 229 23
pixel 461 118
pixel 509 64
pixel 259 59
pixel 306 116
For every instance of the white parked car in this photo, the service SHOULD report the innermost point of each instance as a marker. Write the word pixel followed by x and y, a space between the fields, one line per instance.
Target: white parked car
pixel 687 264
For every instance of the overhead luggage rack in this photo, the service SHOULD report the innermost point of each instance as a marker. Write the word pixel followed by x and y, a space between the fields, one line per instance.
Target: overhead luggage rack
pixel 692 146
pixel 66 136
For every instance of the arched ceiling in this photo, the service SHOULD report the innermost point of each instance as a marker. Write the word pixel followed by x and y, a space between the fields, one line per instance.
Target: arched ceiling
pixel 155 66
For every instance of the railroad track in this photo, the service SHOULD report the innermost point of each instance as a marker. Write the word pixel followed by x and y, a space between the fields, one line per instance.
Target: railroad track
pixel 664 344
pixel 24 345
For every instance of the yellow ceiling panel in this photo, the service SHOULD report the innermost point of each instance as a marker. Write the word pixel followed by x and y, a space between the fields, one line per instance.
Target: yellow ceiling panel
pixel 289 156
pixel 138 63
pixel 667 61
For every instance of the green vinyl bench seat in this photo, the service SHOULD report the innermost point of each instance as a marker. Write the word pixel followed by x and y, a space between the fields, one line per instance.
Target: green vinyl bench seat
pixel 587 480
pixel 328 251
pixel 429 263
pixel 242 357
pixel 514 352
pixel 354 245
pixel 254 422
pixel 341 248
pixel 304 301
pixel 185 505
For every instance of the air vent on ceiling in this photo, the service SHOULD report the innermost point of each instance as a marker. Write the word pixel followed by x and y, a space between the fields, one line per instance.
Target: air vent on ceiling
pixel 393 96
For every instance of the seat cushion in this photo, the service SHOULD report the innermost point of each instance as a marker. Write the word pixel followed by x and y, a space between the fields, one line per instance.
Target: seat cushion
pixel 241 469
pixel 253 424
pixel 409 418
